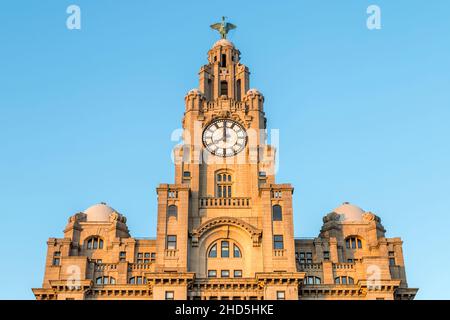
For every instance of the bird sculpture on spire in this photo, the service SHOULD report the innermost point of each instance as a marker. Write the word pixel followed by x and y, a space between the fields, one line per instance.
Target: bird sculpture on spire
pixel 223 27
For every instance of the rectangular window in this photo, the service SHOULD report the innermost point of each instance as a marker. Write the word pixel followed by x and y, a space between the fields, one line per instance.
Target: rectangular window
pixel 278 242
pixel 169 295
pixel 391 258
pixel 56 258
pixel 223 88
pixel 225 252
pixel 212 273
pixel 326 255
pixel 171 242
pixel 238 273
pixel 309 257
pixel 280 295
pixel 223 61
pixel 225 273
pixel 122 256
pixel 186 174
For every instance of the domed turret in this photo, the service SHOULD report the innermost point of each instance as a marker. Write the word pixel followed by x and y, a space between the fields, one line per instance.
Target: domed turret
pixel 349 212
pixel 98 213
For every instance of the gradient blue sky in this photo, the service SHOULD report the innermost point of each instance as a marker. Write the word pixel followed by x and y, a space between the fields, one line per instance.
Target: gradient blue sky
pixel 86 116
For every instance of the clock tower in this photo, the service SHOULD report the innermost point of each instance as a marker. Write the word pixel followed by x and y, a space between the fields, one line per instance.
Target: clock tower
pixel 225 217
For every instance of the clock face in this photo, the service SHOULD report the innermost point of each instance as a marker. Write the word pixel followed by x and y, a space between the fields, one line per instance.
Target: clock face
pixel 224 138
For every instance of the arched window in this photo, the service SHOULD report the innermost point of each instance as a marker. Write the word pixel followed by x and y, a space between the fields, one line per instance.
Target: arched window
pixel 236 251
pixel 94 243
pixel 353 243
pixel 213 251
pixel 277 213
pixel 172 211
pixel 313 280
pixel 224 246
pixel 137 280
pixel 223 185
pixel 344 280
pixel 105 280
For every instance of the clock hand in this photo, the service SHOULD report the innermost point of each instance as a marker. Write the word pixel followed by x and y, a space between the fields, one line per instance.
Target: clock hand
pixel 224 132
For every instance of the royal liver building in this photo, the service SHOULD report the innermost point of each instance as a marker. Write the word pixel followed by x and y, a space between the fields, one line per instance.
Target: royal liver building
pixel 225 226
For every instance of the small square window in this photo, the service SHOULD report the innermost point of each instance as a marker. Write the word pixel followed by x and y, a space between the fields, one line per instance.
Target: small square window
pixel 225 273
pixel 139 255
pixel 238 273
pixel 169 295
pixel 212 273
pixel 56 261
pixel 309 255
pixel 122 254
pixel 280 295
pixel 186 174
pixel 147 255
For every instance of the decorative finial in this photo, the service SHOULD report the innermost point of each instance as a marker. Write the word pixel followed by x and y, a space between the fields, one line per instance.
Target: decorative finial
pixel 223 27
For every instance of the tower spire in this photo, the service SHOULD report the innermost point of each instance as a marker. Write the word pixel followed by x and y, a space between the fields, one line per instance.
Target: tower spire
pixel 223 27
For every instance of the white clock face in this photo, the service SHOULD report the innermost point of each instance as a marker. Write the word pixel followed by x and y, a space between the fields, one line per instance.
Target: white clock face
pixel 224 138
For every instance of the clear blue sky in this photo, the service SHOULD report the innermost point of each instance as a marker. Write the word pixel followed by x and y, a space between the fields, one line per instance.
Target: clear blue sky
pixel 86 116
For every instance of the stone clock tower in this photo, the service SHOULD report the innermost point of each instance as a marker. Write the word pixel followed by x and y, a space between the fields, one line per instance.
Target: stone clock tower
pixel 225 227
pixel 225 191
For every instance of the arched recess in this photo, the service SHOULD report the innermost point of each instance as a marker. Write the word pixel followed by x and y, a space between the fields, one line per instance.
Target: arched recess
pixel 215 230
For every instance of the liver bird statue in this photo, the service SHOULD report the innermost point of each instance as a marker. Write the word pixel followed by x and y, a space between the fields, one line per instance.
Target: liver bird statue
pixel 223 27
